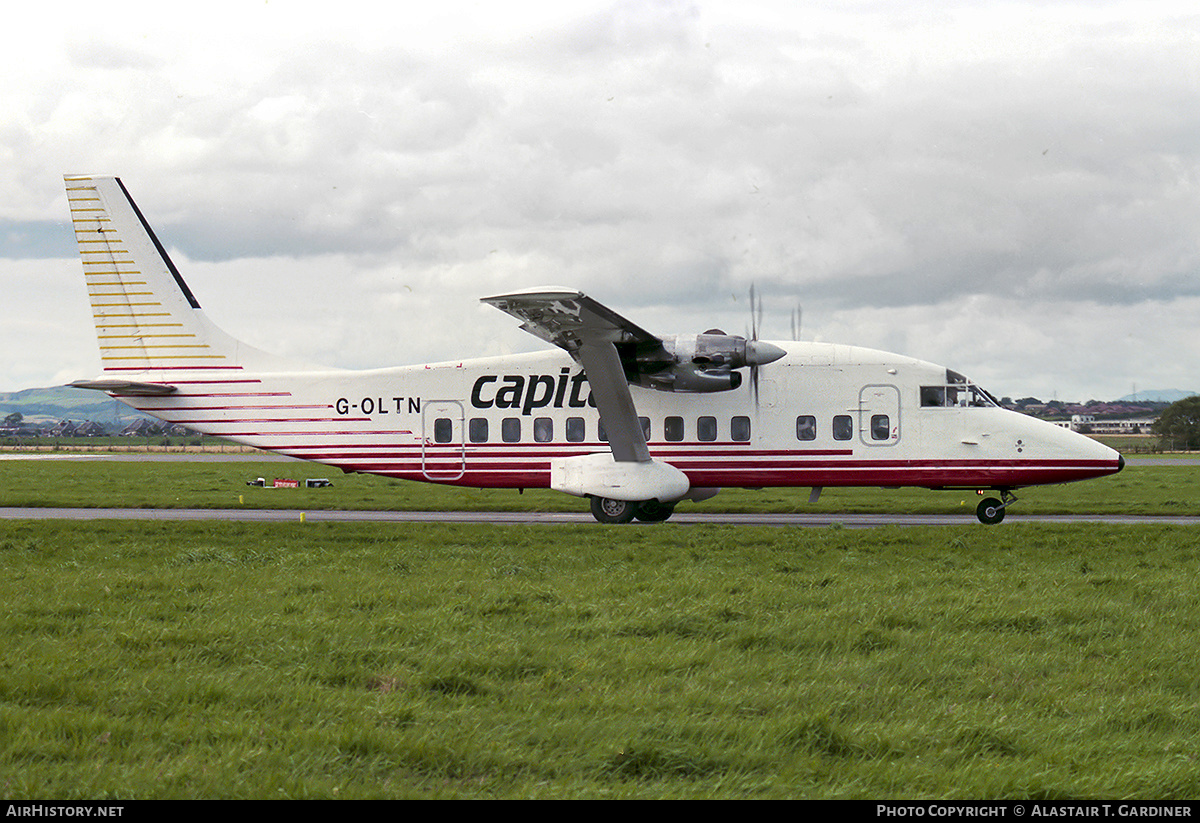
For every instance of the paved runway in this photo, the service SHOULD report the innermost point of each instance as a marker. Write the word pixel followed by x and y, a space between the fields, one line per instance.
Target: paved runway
pixel 852 521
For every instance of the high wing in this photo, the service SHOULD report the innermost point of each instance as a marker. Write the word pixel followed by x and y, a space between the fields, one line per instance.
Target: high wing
pixel 567 318
pixel 615 352
pixel 591 333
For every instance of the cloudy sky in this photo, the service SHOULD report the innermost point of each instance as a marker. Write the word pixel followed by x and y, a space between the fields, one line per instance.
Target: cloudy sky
pixel 1011 189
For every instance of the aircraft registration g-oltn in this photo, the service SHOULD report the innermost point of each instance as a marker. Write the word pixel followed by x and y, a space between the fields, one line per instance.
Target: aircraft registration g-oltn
pixel 634 421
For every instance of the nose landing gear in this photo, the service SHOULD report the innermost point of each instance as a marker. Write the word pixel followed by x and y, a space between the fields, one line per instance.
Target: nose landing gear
pixel 990 511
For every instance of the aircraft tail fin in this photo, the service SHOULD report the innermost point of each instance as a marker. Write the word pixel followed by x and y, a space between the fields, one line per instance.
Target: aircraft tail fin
pixel 147 320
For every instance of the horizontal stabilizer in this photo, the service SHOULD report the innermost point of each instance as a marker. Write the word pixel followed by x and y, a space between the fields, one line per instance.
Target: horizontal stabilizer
pixel 126 387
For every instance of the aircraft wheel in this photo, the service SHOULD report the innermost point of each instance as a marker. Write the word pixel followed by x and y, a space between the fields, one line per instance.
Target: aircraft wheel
pixel 613 511
pixel 990 511
pixel 652 511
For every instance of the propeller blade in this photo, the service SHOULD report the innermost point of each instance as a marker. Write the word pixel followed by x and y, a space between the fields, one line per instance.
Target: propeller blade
pixel 755 313
pixel 758 353
pixel 753 326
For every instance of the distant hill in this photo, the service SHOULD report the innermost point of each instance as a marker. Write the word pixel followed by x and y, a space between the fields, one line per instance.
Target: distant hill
pixel 65 403
pixel 1157 396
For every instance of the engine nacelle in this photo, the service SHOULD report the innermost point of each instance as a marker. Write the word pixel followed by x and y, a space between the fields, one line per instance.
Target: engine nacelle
pixel 688 377
pixel 702 362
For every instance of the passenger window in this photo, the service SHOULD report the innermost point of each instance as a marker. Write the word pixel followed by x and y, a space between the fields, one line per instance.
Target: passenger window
pixel 706 429
pixel 645 421
pixel 673 429
pixel 543 429
pixel 843 427
pixel 443 430
pixel 510 430
pixel 806 427
pixel 477 430
pixel 739 428
pixel 576 429
pixel 600 432
pixel 881 427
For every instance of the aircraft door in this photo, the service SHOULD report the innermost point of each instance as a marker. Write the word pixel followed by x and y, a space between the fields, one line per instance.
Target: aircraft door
pixel 879 415
pixel 443 443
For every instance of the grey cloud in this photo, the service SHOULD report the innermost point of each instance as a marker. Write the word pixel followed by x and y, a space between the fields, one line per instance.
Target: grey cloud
pixel 859 160
pixel 91 53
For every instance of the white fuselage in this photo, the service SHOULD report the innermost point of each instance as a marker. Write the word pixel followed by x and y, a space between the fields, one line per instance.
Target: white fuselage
pixel 824 415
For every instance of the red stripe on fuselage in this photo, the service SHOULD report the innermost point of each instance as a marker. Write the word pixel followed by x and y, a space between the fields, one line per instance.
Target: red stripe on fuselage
pixel 523 466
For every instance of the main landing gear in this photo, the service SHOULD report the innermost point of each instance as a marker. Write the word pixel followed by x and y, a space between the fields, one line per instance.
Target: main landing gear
pixel 624 511
pixel 990 511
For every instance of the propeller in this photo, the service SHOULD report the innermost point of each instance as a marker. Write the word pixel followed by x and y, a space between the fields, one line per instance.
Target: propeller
pixel 758 354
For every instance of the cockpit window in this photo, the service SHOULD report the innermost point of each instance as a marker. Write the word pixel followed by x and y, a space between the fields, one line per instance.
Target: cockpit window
pixel 956 392
pixel 932 396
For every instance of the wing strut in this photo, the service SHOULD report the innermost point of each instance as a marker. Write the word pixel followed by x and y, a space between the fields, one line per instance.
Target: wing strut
pixel 614 402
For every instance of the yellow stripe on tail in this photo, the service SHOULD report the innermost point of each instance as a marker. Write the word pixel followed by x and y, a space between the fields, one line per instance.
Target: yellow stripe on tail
pixel 146 317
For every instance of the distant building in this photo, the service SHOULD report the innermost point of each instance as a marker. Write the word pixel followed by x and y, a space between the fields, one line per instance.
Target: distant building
pixel 1140 426
pixel 1088 424
pixel 142 427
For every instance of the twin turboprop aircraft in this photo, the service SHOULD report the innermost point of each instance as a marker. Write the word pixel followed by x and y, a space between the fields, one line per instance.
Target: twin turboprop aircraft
pixel 634 421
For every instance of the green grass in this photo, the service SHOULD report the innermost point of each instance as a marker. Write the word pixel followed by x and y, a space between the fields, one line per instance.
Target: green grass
pixel 148 660
pixel 336 660
pixel 1130 443
pixel 1161 490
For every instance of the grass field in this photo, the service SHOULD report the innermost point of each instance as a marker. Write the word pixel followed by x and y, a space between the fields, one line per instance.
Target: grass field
pixel 230 660
pixel 1160 490
pixel 148 660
